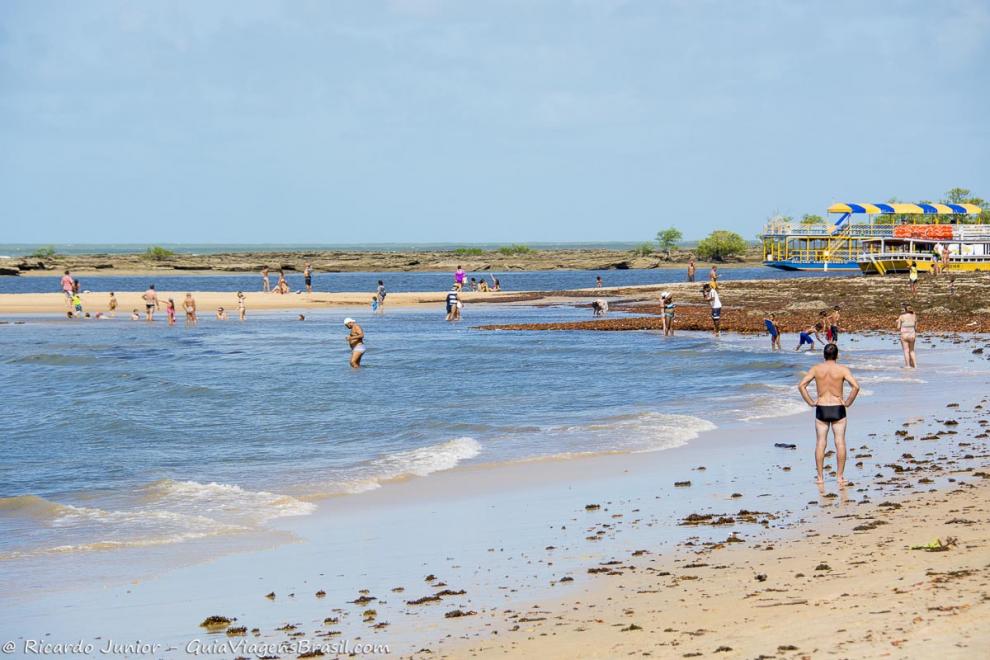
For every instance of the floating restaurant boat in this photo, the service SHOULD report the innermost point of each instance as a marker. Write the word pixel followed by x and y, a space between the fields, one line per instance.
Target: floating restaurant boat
pixel 839 245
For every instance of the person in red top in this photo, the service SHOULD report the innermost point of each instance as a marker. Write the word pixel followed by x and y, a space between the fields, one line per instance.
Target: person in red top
pixel 68 284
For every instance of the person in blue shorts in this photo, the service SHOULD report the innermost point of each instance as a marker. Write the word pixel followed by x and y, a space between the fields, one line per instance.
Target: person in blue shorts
pixel 806 336
pixel 771 324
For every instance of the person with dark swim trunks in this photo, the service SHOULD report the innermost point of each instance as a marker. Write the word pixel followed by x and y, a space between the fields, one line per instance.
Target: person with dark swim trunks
pixel 830 408
pixel 308 278
pixel 770 322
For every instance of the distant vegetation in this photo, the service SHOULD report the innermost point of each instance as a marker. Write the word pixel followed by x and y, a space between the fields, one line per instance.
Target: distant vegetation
pixel 669 238
pixel 643 249
pixel 811 219
pixel 468 252
pixel 46 252
pixel 721 244
pixel 515 249
pixel 158 253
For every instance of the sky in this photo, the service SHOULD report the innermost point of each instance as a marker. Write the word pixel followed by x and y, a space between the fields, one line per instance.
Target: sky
pixel 377 121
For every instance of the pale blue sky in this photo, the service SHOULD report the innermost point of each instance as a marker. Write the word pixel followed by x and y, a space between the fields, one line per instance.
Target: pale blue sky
pixel 434 120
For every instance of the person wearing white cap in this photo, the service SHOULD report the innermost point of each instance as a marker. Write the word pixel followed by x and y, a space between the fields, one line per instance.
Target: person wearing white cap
pixel 356 341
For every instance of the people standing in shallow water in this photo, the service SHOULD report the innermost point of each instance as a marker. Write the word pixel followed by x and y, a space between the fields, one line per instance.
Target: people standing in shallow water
pixel 913 277
pixel 713 277
pixel 189 305
pixel 907 324
pixel 356 341
pixel 150 302
pixel 692 269
pixel 668 308
pixel 308 278
pixel 112 306
pixel 453 304
pixel 241 306
pixel 598 282
pixel 459 276
pixel 833 324
pixel 830 408
pixel 170 311
pixel 266 284
pixel 773 330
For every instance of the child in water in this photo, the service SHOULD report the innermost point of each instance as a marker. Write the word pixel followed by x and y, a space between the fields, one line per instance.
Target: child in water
pixel 221 314
pixel 170 311
pixel 374 304
pixel 135 316
pixel 241 307
pixel 77 303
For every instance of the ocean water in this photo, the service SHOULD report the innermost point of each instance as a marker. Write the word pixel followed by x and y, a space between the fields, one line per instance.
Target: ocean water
pixel 121 434
pixel 557 280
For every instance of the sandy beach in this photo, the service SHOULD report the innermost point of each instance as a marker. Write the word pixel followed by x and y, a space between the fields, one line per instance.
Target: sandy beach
pixel 590 556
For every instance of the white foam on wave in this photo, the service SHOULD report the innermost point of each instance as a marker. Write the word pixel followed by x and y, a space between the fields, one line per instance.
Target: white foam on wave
pixel 891 379
pixel 93 528
pixel 226 502
pixel 418 462
pixel 635 433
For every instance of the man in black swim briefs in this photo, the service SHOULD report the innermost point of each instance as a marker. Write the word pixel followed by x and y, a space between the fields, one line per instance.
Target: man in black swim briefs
pixel 830 408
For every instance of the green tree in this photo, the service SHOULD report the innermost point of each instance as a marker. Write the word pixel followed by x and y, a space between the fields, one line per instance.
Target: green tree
pixel 957 196
pixel 45 252
pixel 157 253
pixel 721 244
pixel 811 219
pixel 669 238
pixel 643 249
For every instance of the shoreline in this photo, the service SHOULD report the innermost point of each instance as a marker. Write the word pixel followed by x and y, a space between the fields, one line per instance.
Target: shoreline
pixel 868 304
pixel 502 519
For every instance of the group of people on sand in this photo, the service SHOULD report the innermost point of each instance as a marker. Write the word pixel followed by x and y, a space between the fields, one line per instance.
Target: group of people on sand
pixel 282 285
pixel 476 284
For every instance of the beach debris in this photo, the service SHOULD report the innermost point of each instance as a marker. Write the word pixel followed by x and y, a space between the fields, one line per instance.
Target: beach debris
pixel 592 507
pixel 321 593
pixel 236 631
pixel 287 627
pixel 363 600
pixel 369 615
pixel 761 577
pixel 784 445
pixel 216 621
pixel 315 653
pixel 631 627
pixel 430 578
pixel 735 495
pixel 331 620
pixel 424 600
pixel 723 649
pixel 937 545
pixel 787 647
pixel 566 578
pixel 456 614
pixel 823 567
pixel 682 484
pixel 270 596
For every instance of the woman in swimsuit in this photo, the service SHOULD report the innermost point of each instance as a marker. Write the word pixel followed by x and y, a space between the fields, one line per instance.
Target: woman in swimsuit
pixel 913 277
pixel 667 306
pixel 907 325
pixel 170 311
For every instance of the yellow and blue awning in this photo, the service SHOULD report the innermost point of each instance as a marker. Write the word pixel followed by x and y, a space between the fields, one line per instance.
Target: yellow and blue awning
pixel 907 209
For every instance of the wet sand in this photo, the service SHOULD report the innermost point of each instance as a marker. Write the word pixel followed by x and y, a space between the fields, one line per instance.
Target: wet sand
pixel 584 557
